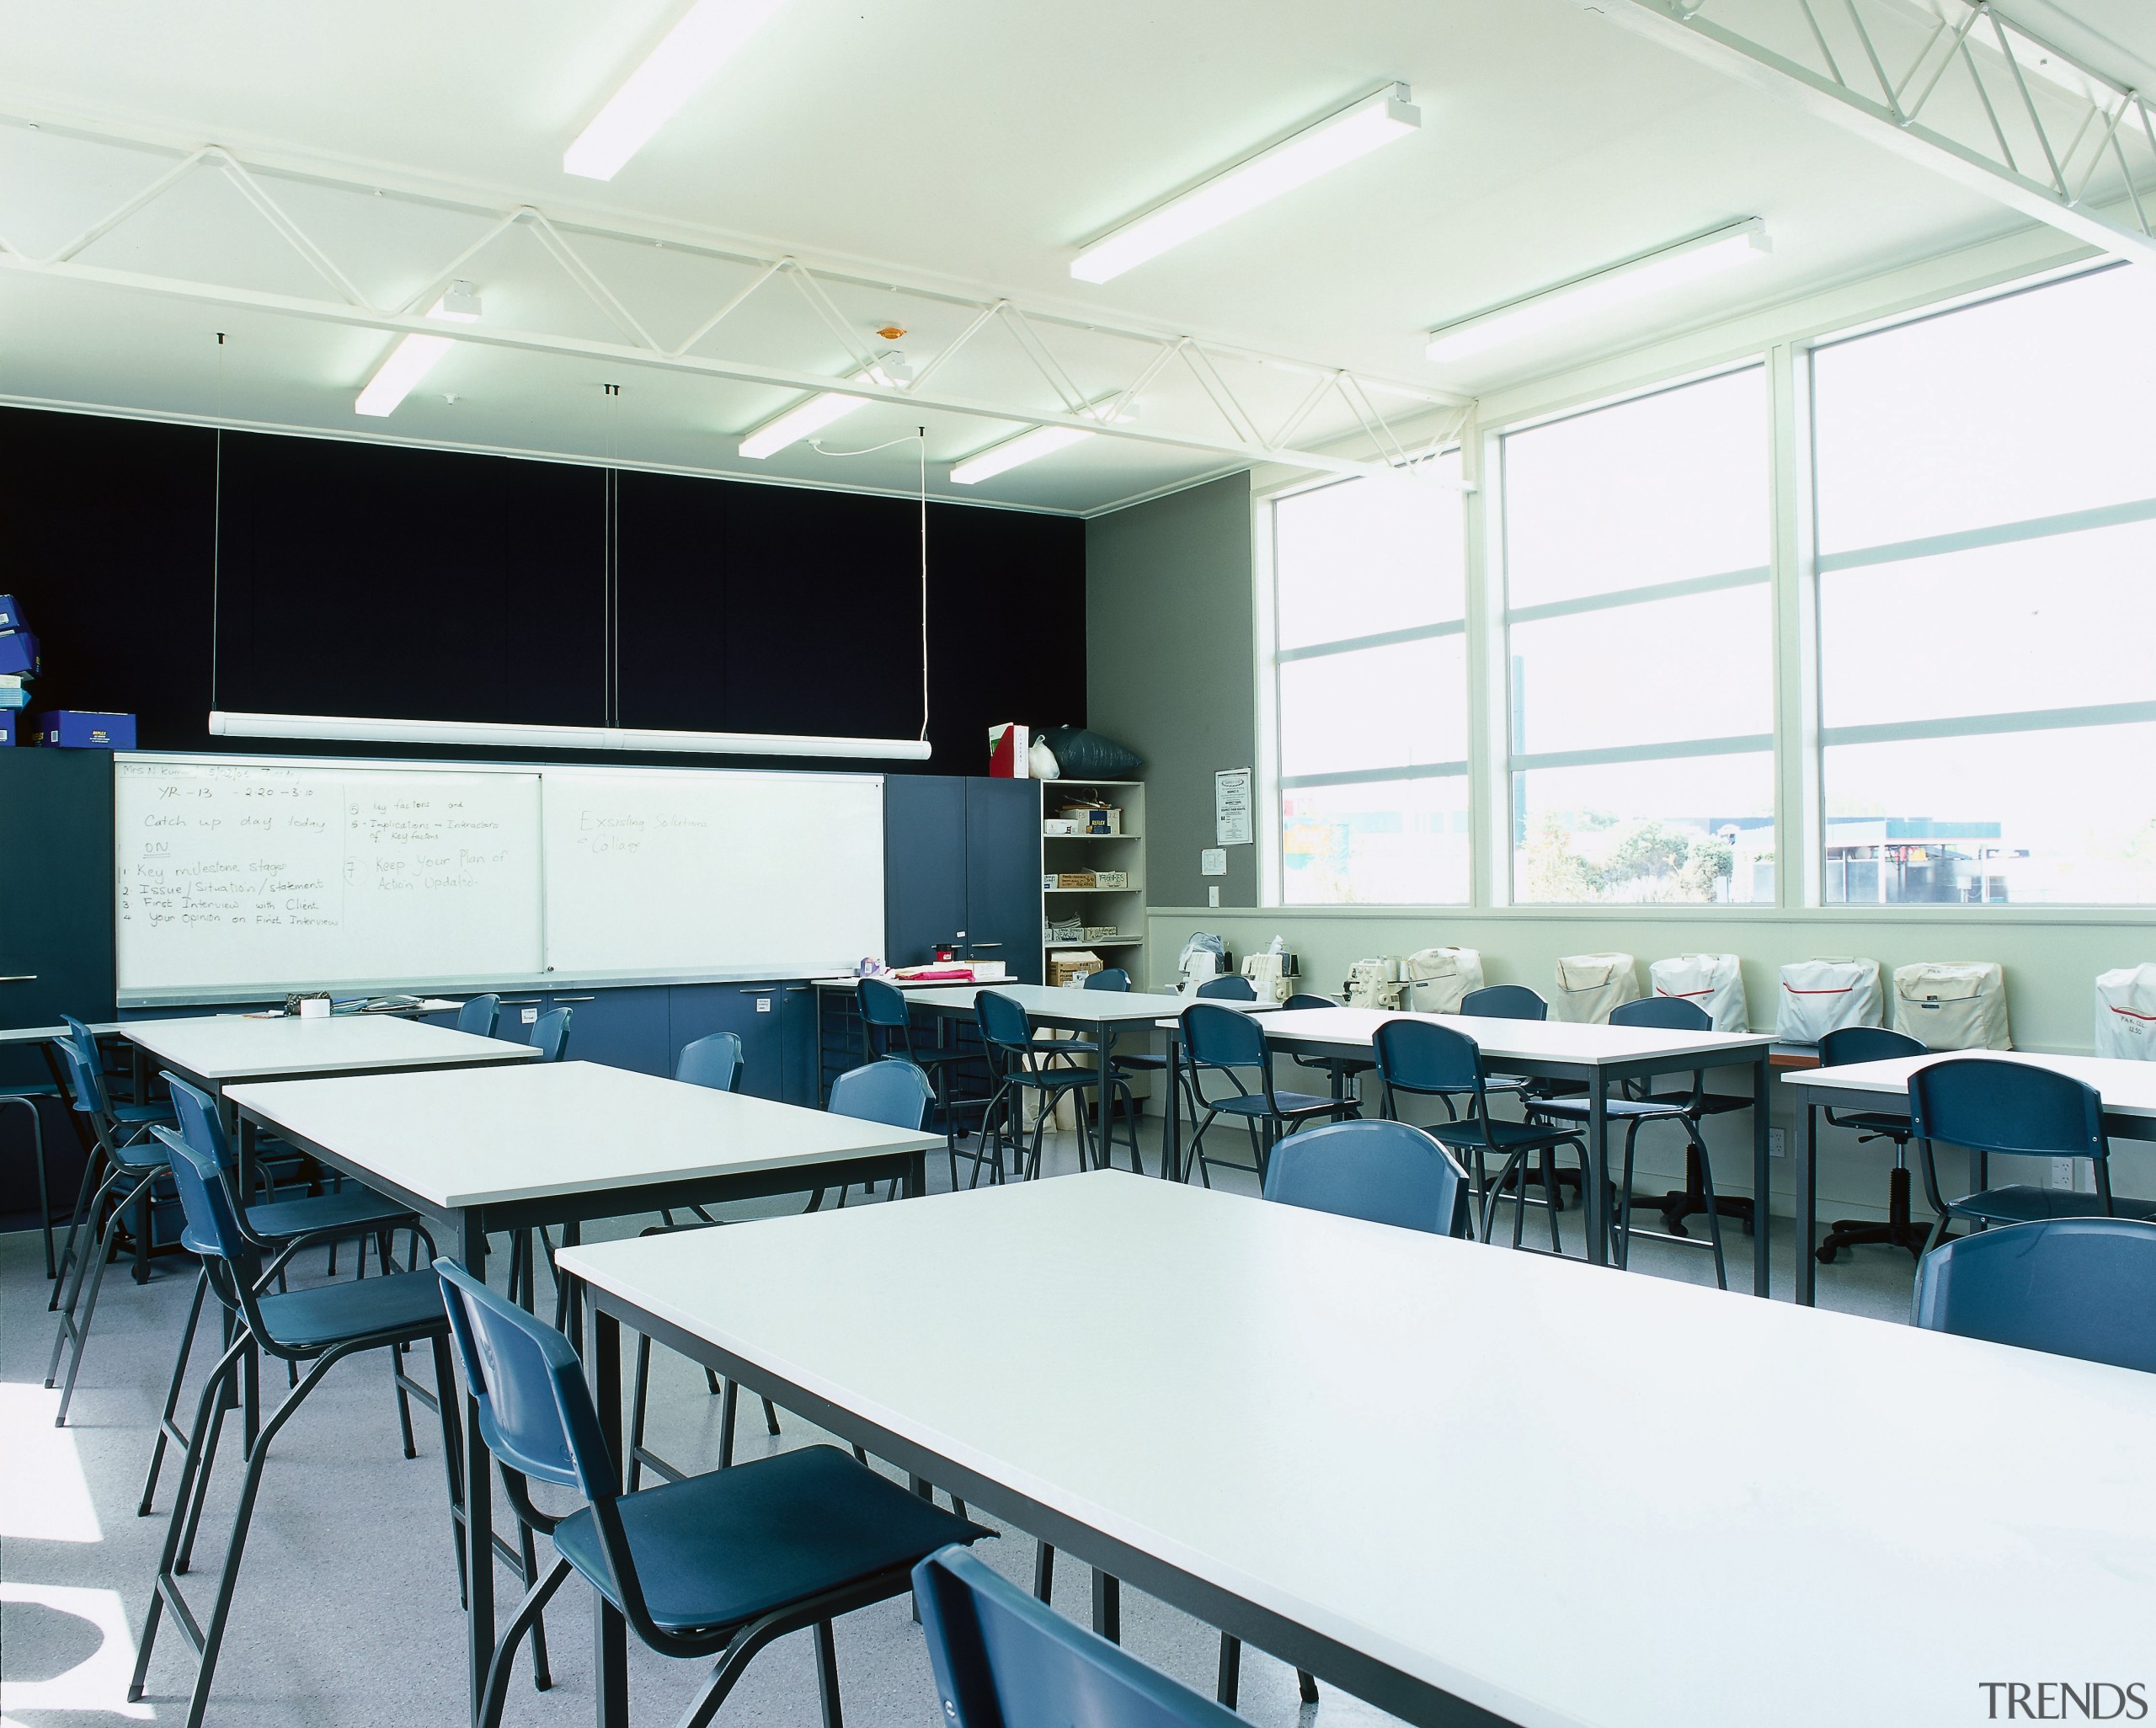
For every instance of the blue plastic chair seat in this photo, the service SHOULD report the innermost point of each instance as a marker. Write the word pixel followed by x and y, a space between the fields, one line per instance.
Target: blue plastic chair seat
pixel 722 1549
pixel 2022 1204
pixel 1501 1136
pixel 404 1304
pixel 1291 1104
pixel 47 1091
pixel 141 1112
pixel 346 1209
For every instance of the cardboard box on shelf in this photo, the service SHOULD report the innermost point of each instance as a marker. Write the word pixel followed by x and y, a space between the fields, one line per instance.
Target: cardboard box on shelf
pixel 1112 879
pixel 1091 817
pixel 1055 828
pixel 1100 933
pixel 1072 967
pixel 80 729
pixel 1069 879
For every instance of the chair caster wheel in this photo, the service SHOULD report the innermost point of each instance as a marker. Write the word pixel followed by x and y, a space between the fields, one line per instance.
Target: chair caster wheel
pixel 1825 1256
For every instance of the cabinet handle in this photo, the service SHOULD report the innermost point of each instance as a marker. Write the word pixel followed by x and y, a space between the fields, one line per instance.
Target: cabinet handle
pixel 796 990
pixel 518 1001
pixel 766 991
pixel 559 1001
pixel 18 978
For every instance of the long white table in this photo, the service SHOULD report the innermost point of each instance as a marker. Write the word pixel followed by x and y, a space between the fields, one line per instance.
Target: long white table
pixel 1603 1057
pixel 2128 1090
pixel 476 1149
pixel 1448 1478
pixel 219 1050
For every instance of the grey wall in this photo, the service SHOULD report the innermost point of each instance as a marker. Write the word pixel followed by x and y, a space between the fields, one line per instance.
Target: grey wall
pixel 1169 671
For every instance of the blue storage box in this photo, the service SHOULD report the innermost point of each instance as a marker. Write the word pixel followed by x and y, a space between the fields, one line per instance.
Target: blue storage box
pixel 12 693
pixel 11 615
pixel 79 729
pixel 7 727
pixel 19 652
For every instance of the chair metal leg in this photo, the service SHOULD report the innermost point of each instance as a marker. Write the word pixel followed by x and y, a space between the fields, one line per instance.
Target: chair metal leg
pixel 1228 1682
pixel 97 1175
pixel 1043 1572
pixel 526 1617
pixel 168 1429
pixel 1548 1159
pixel 77 1325
pixel 1714 1209
pixel 1306 1685
pixel 827 1675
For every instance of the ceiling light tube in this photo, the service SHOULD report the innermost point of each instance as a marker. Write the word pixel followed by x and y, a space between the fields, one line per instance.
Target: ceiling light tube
pixel 1014 452
pixel 1636 278
pixel 415 355
pixel 1334 142
pixel 709 34
pixel 494 735
pixel 810 416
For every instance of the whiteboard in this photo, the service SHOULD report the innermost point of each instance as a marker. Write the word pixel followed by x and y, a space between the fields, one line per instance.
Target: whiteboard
pixel 771 875
pixel 246 875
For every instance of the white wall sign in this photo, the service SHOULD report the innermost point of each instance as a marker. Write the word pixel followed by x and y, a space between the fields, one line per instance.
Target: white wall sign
pixel 1231 807
pixel 1213 860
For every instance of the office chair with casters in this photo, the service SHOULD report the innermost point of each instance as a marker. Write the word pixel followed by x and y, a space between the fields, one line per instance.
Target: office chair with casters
pixel 275 1229
pixel 886 1031
pixel 1639 1106
pixel 2083 1286
pixel 1004 1659
pixel 1985 1105
pixel 1839 1048
pixel 1022 1067
pixel 1226 1041
pixel 718 1566
pixel 317 1328
pixel 1423 1056
pixel 479 1015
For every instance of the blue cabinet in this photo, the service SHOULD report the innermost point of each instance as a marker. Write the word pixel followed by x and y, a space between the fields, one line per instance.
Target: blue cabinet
pixel 1003 874
pixel 694 1010
pixel 622 1027
pixel 963 855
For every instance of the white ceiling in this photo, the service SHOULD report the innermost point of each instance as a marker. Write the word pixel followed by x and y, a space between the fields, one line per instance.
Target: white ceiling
pixel 972 142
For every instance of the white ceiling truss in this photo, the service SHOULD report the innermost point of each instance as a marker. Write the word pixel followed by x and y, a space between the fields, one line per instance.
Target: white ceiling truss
pixel 1955 86
pixel 302 237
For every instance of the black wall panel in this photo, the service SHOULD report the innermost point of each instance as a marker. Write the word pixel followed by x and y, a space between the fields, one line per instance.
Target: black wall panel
pixel 371 579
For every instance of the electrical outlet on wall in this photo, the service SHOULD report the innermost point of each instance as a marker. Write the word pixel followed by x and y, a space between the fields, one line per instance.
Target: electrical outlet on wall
pixel 1777 1142
pixel 2062 1174
pixel 1212 894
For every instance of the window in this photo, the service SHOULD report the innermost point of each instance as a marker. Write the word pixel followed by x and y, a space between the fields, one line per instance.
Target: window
pixel 1986 502
pixel 1370 687
pixel 1641 649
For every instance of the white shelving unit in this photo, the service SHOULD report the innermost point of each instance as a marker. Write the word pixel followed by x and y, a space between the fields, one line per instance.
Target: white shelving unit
pixel 1123 909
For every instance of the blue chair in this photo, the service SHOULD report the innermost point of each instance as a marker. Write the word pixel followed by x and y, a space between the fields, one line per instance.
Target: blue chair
pixel 1022 1065
pixel 108 1125
pixel 318 1328
pixel 1229 1042
pixel 1504 1002
pixel 1230 987
pixel 1987 1105
pixel 715 1060
pixel 1388 1172
pixel 132 1166
pixel 1426 1056
pixel 1339 1070
pixel 892 1091
pixel 1108 977
pixel 479 1015
pixel 550 1034
pixel 1639 1106
pixel 1003 1660
pixel 718 1566
pixel 276 1231
pixel 1115 979
pixel 1839 1048
pixel 2083 1286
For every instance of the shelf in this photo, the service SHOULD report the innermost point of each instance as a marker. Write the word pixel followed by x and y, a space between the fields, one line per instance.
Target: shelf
pixel 1113 941
pixel 1091 836
pixel 1138 890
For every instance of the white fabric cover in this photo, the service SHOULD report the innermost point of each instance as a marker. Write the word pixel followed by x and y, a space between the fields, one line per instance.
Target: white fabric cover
pixel 2126 1013
pixel 1713 982
pixel 1589 985
pixel 1438 978
pixel 1952 1005
pixel 1820 996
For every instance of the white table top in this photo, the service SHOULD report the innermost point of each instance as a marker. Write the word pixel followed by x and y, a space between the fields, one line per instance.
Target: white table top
pixel 46 1034
pixel 1523 1040
pixel 462 1137
pixel 1094 1007
pixel 2128 1088
pixel 222 1047
pixel 1449 1456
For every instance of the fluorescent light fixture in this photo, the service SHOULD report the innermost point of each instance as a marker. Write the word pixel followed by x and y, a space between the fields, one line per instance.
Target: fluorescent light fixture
pixel 1013 452
pixel 1334 142
pixel 415 355
pixel 504 736
pixel 708 35
pixel 807 417
pixel 1650 272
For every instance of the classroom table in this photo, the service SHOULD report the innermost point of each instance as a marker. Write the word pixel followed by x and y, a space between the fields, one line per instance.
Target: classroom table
pixel 2128 1090
pixel 475 1150
pixel 1102 1013
pixel 1439 1474
pixel 1602 1056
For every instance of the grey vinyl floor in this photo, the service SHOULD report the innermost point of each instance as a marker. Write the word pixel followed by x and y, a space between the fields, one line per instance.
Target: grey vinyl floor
pixel 346 1612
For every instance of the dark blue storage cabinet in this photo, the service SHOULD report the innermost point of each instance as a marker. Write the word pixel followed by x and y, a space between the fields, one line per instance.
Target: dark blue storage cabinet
pixel 962 855
pixel 624 1026
pixel 695 1010
pixel 1003 874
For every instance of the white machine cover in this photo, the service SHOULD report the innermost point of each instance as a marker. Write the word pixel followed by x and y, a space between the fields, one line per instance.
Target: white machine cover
pixel 1438 978
pixel 2126 1013
pixel 1589 985
pixel 1715 982
pixel 1953 1005
pixel 1820 996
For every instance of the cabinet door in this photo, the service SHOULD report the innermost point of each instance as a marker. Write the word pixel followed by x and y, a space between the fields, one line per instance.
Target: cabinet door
pixel 1003 874
pixel 924 865
pixel 695 1010
pixel 623 1028
pixel 797 1015
pixel 56 890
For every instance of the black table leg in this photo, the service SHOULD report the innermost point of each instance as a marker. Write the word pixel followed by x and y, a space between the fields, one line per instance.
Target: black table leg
pixel 1596 1207
pixel 1761 1178
pixel 610 1632
pixel 1172 1126
pixel 479 1495
pixel 1807 1207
